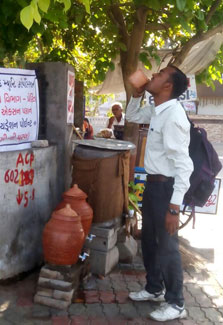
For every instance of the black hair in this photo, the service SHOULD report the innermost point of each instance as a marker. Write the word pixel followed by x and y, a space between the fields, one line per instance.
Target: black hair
pixel 86 119
pixel 179 80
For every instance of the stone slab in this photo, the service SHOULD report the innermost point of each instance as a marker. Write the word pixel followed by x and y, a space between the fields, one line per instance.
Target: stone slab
pixel 104 240
pixel 54 284
pixel 51 302
pixel 102 263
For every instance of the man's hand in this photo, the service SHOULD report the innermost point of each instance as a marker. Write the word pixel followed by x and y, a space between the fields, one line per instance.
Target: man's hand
pixel 172 220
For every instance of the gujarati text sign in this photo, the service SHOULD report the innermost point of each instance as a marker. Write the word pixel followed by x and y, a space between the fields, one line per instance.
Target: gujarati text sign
pixel 19 106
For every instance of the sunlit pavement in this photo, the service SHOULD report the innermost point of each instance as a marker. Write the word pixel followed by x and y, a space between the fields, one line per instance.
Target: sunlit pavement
pixel 207 237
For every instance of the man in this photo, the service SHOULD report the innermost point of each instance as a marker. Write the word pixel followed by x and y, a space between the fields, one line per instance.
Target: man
pixel 169 167
pixel 118 118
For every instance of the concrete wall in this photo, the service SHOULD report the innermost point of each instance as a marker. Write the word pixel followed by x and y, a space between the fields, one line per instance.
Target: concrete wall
pixel 52 79
pixel 28 195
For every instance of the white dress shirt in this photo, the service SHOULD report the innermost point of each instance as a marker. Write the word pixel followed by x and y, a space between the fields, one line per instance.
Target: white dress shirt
pixel 116 122
pixel 167 143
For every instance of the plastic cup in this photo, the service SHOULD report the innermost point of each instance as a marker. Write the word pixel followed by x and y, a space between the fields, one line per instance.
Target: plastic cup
pixel 138 79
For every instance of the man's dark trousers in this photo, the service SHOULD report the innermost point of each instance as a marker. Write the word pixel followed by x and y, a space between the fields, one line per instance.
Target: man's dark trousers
pixel 161 255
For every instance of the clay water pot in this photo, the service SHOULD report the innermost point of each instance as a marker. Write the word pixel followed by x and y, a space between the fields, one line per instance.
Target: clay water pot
pixel 77 200
pixel 138 79
pixel 63 237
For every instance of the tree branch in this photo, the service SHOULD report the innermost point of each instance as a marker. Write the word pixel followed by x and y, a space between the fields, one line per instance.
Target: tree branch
pixel 212 10
pixel 199 37
pixel 137 35
pixel 115 14
pixel 156 26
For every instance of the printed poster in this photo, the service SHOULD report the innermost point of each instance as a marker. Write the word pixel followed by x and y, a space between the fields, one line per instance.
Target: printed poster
pixel 19 107
pixel 70 97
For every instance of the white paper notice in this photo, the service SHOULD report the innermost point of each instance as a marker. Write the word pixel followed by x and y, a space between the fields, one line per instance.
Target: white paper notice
pixel 19 107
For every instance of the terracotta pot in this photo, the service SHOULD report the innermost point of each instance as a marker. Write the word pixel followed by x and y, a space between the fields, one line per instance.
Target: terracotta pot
pixel 77 200
pixel 63 237
pixel 138 79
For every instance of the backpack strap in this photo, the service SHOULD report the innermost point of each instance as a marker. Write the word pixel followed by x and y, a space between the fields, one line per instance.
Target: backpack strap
pixel 190 216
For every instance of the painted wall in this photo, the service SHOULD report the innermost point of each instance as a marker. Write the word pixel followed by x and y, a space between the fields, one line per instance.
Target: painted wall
pixel 27 197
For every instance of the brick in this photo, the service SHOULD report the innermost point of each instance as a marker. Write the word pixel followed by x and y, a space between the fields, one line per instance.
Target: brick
pixel 138 321
pixel 44 292
pixel 213 315
pixel 79 320
pixel 128 311
pixel 60 320
pixel 111 310
pixel 54 284
pixel 91 297
pixel 98 320
pixel 62 295
pixel 47 301
pixel 94 310
pixel 188 322
pixel 118 321
pixel 122 297
pixel 204 301
pixel 50 274
pixel 77 310
pixel 134 286
pixel 194 289
pixel 190 300
pixel 196 314
pixel 144 308
pixel 106 297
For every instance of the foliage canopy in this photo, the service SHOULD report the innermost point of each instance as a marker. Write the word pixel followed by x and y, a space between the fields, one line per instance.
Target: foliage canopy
pixel 89 34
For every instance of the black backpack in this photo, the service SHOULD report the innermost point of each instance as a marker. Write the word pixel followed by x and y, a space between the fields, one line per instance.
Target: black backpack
pixel 206 166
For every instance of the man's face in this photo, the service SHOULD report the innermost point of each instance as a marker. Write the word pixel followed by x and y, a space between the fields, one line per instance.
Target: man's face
pixel 159 80
pixel 116 110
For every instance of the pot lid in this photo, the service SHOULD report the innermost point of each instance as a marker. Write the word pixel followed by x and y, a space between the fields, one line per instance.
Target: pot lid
pixel 66 212
pixel 76 192
pixel 111 144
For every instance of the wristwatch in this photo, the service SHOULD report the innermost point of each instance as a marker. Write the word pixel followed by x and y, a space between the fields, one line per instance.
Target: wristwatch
pixel 173 211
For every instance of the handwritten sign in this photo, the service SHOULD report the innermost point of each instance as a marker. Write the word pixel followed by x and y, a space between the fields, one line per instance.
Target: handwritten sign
pixel 70 97
pixel 189 95
pixel 22 176
pixel 19 106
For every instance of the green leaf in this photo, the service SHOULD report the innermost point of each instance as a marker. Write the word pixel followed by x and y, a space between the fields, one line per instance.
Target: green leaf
pixel 87 3
pixel 36 15
pixel 44 5
pixel 26 16
pixel 144 58
pixel 67 4
pixel 200 15
pixel 185 25
pixel 181 4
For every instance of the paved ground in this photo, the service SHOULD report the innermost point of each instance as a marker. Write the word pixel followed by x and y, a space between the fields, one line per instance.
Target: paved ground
pixel 105 300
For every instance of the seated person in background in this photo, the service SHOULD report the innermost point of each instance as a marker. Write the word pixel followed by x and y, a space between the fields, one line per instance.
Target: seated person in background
pixel 87 129
pixel 118 118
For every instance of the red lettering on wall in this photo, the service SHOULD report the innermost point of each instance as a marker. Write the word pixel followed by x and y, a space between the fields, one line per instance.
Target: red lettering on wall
pixel 22 177
pixel 20 160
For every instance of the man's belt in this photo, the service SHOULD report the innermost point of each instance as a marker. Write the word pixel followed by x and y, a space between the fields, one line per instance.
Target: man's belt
pixel 158 178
